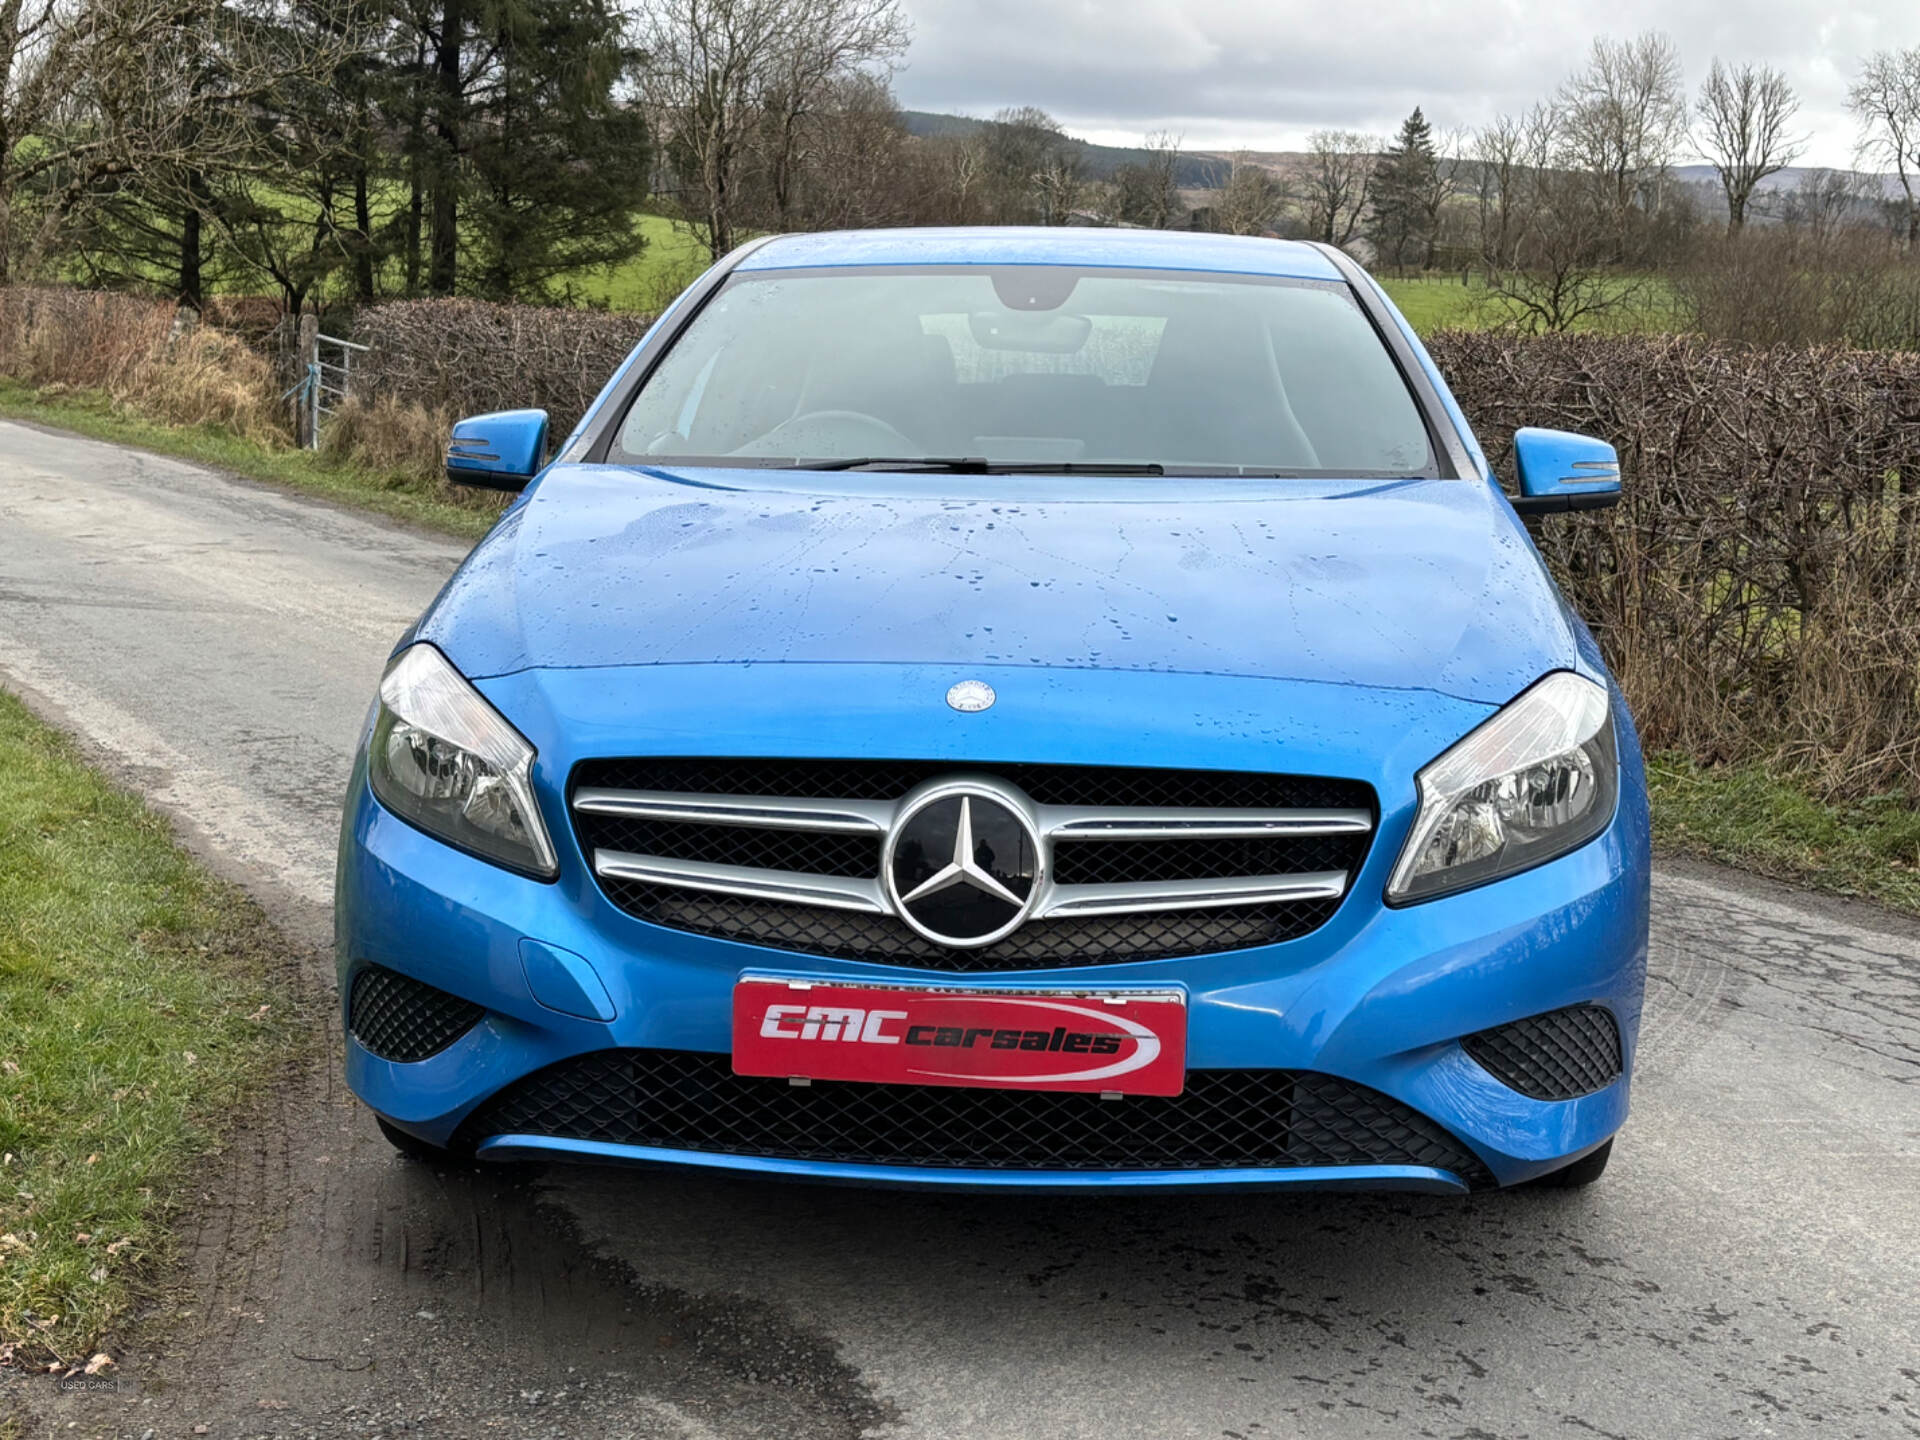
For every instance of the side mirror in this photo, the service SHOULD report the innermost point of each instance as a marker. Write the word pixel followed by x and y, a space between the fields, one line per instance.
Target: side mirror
pixel 1561 471
pixel 501 451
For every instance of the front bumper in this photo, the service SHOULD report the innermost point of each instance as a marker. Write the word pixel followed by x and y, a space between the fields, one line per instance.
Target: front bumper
pixel 1377 996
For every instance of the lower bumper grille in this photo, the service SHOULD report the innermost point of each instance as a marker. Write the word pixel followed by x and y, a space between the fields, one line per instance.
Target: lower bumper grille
pixel 399 1018
pixel 1226 1119
pixel 1560 1055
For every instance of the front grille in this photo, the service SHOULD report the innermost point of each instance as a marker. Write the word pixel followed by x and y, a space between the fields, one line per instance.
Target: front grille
pixel 1226 1119
pixel 1560 1055
pixel 1040 944
pixel 399 1018
pixel 1157 931
pixel 1047 784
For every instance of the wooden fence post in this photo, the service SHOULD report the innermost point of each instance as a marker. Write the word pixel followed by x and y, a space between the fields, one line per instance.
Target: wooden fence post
pixel 306 425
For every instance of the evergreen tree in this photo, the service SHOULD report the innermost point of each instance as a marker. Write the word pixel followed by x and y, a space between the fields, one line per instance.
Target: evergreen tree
pixel 558 162
pixel 523 162
pixel 1401 225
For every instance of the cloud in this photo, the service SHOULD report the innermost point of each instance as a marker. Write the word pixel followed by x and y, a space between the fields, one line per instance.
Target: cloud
pixel 1262 73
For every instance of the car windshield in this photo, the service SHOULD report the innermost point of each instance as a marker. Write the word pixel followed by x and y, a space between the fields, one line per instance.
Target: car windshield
pixel 999 367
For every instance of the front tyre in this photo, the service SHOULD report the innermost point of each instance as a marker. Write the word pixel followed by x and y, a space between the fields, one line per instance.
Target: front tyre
pixel 1581 1173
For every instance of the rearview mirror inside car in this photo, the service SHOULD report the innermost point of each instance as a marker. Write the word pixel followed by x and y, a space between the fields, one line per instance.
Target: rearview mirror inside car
pixel 501 451
pixel 1561 471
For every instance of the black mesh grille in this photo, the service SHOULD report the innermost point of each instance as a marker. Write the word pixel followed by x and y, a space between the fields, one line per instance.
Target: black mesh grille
pixel 1047 784
pixel 1226 1119
pixel 807 852
pixel 1039 944
pixel 399 1018
pixel 1099 862
pixel 845 935
pixel 1560 1055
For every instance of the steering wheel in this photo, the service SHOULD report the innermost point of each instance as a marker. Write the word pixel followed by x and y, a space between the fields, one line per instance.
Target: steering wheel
pixel 831 432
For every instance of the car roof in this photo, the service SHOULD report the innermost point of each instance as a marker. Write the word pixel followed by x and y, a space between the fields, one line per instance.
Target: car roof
pixel 1033 245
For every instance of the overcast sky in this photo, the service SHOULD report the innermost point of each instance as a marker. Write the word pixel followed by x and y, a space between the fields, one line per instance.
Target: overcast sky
pixel 1260 74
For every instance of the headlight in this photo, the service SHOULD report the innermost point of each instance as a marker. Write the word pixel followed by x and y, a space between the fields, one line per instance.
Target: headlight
pixel 444 759
pixel 1535 781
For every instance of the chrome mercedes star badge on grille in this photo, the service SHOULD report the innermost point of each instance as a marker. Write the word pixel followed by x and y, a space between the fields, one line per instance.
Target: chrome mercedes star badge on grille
pixel 970 697
pixel 963 864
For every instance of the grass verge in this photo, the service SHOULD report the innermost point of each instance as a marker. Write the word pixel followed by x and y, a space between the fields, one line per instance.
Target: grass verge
pixel 1748 817
pixel 399 496
pixel 142 1003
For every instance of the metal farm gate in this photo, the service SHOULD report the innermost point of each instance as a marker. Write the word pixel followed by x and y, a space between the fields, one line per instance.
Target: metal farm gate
pixel 326 380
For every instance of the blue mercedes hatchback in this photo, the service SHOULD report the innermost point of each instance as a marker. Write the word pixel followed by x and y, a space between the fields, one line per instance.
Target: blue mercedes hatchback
pixel 1014 709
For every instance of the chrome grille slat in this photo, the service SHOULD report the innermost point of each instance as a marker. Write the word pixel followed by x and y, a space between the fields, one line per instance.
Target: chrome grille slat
pixel 1150 895
pixel 833 817
pixel 1263 858
pixel 1085 822
pixel 834 891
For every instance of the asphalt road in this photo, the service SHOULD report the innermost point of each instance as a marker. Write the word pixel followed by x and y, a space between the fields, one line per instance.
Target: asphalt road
pixel 1750 1265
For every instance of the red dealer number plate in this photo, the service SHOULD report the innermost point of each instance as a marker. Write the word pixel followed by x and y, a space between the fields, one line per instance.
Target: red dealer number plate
pixel 1131 1043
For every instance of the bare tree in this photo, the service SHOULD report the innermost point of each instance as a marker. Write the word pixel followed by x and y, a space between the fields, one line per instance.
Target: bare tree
pixel 170 90
pixel 1743 115
pixel 1885 100
pixel 1442 183
pixel 1252 200
pixel 855 174
pixel 38 47
pixel 1622 118
pixel 1059 183
pixel 1333 192
pixel 951 173
pixel 717 70
pixel 1032 172
pixel 1559 277
pixel 1824 203
pixel 825 41
pixel 1497 187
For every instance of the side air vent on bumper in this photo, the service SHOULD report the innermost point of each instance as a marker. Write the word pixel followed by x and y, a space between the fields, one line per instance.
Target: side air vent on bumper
pixel 1141 864
pixel 399 1018
pixel 1226 1119
pixel 1560 1055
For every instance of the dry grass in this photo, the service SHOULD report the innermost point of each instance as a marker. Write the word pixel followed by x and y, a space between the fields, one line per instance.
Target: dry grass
pixel 390 434
pixel 144 354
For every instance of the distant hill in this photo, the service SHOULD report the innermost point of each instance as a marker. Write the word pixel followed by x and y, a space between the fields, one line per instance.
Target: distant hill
pixel 1208 169
pixel 1195 171
pixel 1790 178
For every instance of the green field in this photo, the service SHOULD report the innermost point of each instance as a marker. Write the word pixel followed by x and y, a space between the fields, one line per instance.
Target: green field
pixel 1434 303
pixel 673 257
pixel 670 261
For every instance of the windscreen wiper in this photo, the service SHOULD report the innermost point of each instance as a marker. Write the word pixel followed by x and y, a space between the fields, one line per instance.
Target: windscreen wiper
pixel 979 465
pixel 939 464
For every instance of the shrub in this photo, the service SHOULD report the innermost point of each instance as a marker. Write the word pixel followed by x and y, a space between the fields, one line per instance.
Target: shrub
pixel 1757 589
pixel 1784 286
pixel 460 357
